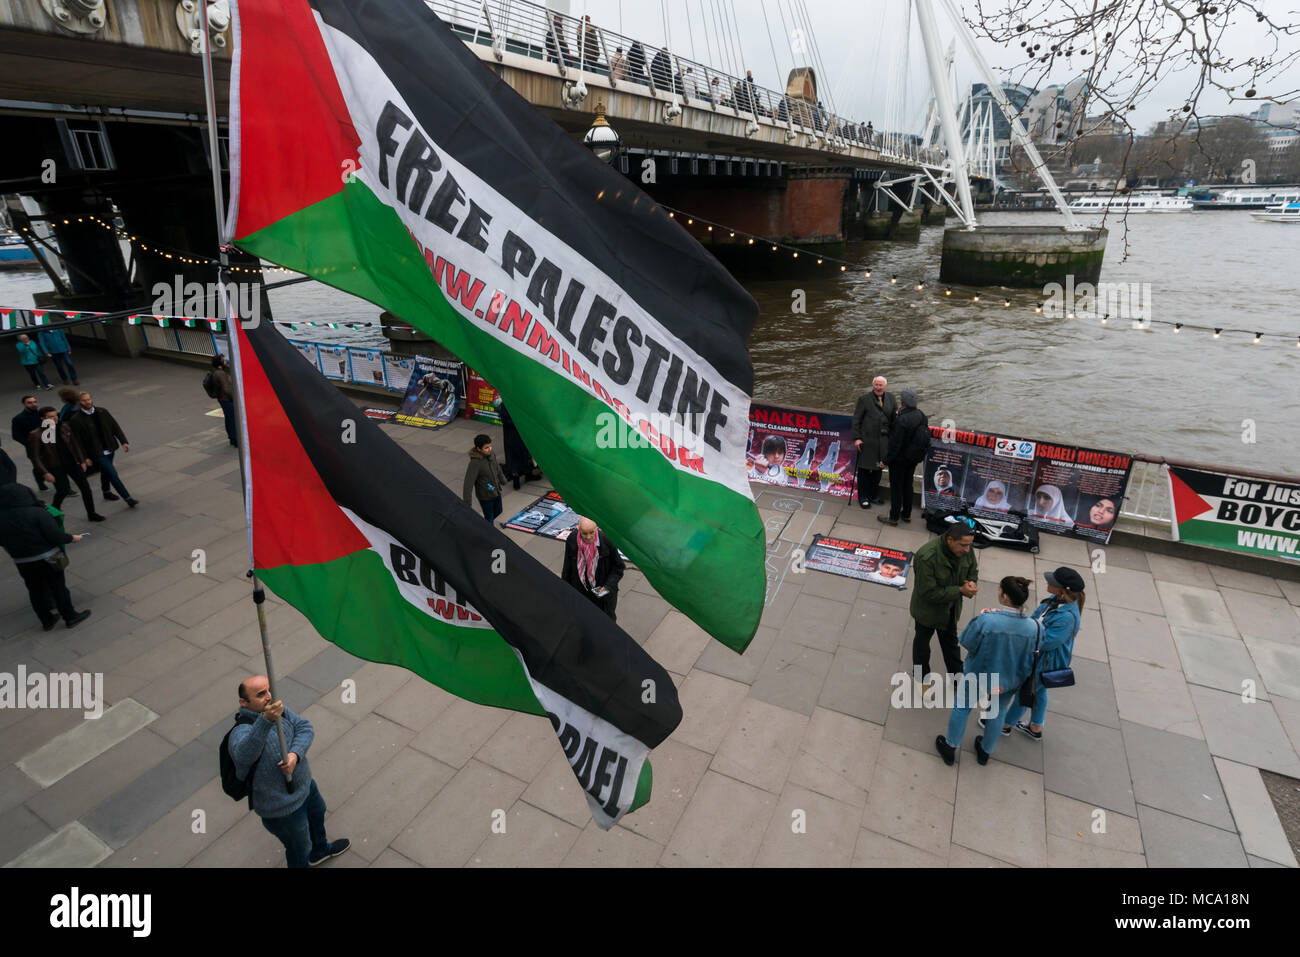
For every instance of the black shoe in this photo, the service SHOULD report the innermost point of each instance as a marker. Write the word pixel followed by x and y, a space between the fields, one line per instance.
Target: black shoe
pixel 132 502
pixel 515 480
pixel 907 518
pixel 1006 729
pixel 981 755
pixel 73 493
pixel 49 625
pixel 864 505
pixel 878 501
pixel 78 618
pixel 946 750
pixel 1036 735
pixel 110 497
pixel 94 517
pixel 886 520
pixel 334 849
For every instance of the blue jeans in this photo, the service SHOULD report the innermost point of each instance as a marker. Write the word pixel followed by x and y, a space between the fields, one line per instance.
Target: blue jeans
pixel 303 831
pixel 228 412
pixel 108 476
pixel 1039 712
pixel 35 371
pixel 993 729
pixel 63 362
pixel 491 507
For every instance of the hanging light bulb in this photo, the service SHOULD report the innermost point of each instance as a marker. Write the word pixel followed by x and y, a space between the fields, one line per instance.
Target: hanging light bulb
pixel 1216 333
pixel 773 249
pixel 1006 303
pixel 751 242
pixel 1178 327
pixel 819 262
pixel 947 292
pixel 710 229
pixel 670 215
pixel 893 280
pixel 1258 336
pixel 733 234
pixel 1105 318
pixel 842 268
pixel 690 222
pixel 1069 315
pixel 867 273
pixel 975 298
pixel 920 286
pixel 796 255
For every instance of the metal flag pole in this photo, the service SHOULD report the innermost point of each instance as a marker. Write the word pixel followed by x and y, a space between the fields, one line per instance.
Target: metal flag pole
pixel 214 160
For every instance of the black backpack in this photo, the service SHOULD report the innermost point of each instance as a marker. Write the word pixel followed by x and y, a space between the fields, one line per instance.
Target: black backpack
pixel 238 788
pixel 918 442
pixel 210 386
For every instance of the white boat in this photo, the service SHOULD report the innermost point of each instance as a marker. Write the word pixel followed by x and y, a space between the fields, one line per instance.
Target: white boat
pixel 1285 213
pixel 1249 197
pixel 1133 203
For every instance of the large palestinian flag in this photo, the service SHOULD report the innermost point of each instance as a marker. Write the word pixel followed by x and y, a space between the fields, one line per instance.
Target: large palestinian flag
pixel 371 150
pixel 389 564
pixel 1253 515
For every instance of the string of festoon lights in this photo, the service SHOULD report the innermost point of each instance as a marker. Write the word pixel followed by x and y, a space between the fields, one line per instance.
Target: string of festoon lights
pixel 777 247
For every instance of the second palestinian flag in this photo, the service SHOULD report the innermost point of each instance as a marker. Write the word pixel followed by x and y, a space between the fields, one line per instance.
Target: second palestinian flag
pixel 389 564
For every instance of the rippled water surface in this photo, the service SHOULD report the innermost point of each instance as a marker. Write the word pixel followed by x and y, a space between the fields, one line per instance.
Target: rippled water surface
pixel 1008 369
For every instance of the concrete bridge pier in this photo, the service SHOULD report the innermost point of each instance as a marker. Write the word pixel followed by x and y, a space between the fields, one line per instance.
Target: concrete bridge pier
pixel 1021 256
pixel 877 216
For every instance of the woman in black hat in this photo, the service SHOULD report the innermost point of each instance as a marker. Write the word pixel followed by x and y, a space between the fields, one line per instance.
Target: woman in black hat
pixel 1060 616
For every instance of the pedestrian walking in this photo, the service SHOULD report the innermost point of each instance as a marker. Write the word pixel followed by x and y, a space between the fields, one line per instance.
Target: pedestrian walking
pixel 909 437
pixel 1060 615
pixel 618 65
pixel 57 458
pixel 33 539
pixel 872 420
pixel 557 48
pixel 296 817
pixel 31 357
pixel 69 398
pixel 54 343
pixel 484 478
pixel 662 71
pixel 99 436
pixel 944 571
pixel 636 62
pixel 21 425
pixel 999 647
pixel 223 390
pixel 588 41
pixel 592 565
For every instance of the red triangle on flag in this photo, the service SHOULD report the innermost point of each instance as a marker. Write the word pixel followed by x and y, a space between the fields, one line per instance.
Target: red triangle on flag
pixel 1187 504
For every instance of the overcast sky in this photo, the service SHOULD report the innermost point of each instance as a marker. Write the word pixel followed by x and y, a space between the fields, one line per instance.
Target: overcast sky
pixel 872 73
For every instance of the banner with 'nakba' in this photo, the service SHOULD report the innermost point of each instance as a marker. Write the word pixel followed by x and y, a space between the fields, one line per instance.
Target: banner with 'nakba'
pixel 1255 516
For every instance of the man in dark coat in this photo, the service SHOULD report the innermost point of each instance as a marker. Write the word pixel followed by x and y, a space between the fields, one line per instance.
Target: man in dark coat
pixel 593 566
pixel 871 421
pixel 662 71
pixel 909 437
pixel 33 539
pixel 519 464
pixel 56 456
pixel 21 426
pixel 99 436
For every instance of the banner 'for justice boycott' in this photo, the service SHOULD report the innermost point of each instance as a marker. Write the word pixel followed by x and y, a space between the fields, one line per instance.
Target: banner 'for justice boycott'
pixel 801 448
pixel 1255 516
pixel 372 151
pixel 1061 488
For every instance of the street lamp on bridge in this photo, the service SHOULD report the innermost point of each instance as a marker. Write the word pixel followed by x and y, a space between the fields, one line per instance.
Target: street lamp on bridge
pixel 602 139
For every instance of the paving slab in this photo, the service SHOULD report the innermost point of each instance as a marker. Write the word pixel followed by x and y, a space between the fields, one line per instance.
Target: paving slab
pixel 151 795
pixel 723 825
pixel 677 642
pixel 1000 812
pixel 1244 581
pixel 809 830
pixel 678 770
pixel 1094 830
pixel 85 742
pixel 617 847
pixel 911 798
pixel 816 622
pixel 527 837
pixel 72 846
pixel 792 676
pixel 1278 664
pixel 416 704
pixel 197 823
pixel 1173 841
pixel 877 628
pixel 837 756
pixel 1214 661
pixel 1262 616
pixel 709 706
pixel 1086 761
pixel 460 730
pixel 521 746
pixel 859 684
pixel 1181 570
pixel 1175 773
pixel 761 745
pixel 1247 732
pixel 718 659
pixel 1091 699
pixel 1153 696
pixel 1139 636
pixel 556 791
pixel 453 825
pixel 1201 609
pixel 1254 814
pixel 342 767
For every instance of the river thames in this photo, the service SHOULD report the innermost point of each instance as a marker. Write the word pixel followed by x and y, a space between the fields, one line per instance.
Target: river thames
pixel 1007 369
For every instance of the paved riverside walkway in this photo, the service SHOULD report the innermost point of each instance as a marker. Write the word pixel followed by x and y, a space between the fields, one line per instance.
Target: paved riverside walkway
pixel 1155 741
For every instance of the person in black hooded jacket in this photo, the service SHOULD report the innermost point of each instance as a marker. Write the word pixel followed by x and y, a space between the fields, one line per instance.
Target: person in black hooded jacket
pixel 909 437
pixel 33 540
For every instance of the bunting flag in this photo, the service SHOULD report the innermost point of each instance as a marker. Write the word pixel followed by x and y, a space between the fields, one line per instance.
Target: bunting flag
pixel 400 571
pixel 371 150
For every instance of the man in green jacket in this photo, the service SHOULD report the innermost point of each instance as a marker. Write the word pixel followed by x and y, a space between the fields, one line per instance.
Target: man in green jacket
pixel 944 571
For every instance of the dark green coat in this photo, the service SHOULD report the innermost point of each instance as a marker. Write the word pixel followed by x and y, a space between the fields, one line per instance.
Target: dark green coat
pixel 936 578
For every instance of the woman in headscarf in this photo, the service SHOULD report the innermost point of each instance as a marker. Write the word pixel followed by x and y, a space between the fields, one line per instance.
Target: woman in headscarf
pixel 994 498
pixel 1048 506
pixel 943 481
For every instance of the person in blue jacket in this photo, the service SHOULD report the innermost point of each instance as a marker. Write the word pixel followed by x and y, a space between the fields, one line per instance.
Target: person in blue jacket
pixel 1000 650
pixel 1060 616
pixel 30 355
pixel 55 344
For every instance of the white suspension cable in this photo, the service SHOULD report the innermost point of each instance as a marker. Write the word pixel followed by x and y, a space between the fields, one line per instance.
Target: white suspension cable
pixel 690 30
